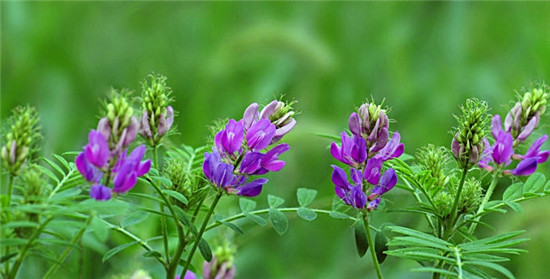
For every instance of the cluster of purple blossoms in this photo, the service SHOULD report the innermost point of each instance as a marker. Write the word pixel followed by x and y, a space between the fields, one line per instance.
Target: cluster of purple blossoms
pixel 237 152
pixel 105 158
pixel 365 151
pixel 502 151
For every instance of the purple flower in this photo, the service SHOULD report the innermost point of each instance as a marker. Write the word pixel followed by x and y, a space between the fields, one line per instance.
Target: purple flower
pixel 271 160
pixel 503 148
pixel 393 149
pixel 250 116
pixel 130 169
pixel 351 194
pixel 353 151
pixel 374 204
pixel 97 150
pixel 372 170
pixel 388 181
pixel 251 162
pixel 251 189
pixel 100 192
pixel 532 158
pixel 188 275
pixel 260 134
pixel 230 139
pixel 88 171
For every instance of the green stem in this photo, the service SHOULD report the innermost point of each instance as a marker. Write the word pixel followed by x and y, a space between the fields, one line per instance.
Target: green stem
pixel 163 225
pixel 10 189
pixel 264 211
pixel 201 232
pixel 454 209
pixel 30 243
pixel 171 270
pixel 486 198
pixel 65 253
pixel 371 245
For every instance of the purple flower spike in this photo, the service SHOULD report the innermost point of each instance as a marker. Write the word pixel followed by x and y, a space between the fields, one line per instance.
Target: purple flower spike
pixel 503 148
pixel 250 116
pixel 271 160
pixel 100 192
pixel 97 150
pixel 251 189
pixel 353 151
pixel 230 139
pixel 387 182
pixel 87 170
pixel 259 136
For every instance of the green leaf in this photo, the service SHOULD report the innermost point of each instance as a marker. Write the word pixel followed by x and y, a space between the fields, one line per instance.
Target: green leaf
pixel 206 252
pixel 7 257
pixel 69 193
pixel 62 161
pixel 513 192
pixel 54 166
pixel 515 206
pixel 236 228
pixel 134 219
pixel 305 196
pixel 434 270
pixel 255 218
pixel 380 246
pixel 20 224
pixel 176 195
pixel 534 183
pixel 116 250
pixel 278 220
pixel 420 235
pixel 12 241
pixel 152 254
pixel 247 205
pixel 547 187
pixel 274 201
pixel 100 229
pixel 328 136
pixel 163 181
pixel 339 215
pixel 492 266
pixel 49 173
pixel 307 213
pixel 361 242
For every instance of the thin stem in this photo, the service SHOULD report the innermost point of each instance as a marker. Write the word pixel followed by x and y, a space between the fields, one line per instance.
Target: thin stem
pixel 30 243
pixel 454 209
pixel 10 189
pixel 163 225
pixel 264 211
pixel 201 232
pixel 371 245
pixel 486 198
pixel 65 253
pixel 171 270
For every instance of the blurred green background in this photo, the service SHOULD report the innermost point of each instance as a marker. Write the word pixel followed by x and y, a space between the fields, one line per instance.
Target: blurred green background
pixel 424 59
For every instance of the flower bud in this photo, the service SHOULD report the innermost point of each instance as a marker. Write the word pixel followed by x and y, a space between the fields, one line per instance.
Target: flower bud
pixel 221 266
pixel 158 115
pixel 21 139
pixel 468 143
pixel 371 123
pixel 433 160
pixel 471 195
pixel 524 117
pixel 119 126
pixel 279 113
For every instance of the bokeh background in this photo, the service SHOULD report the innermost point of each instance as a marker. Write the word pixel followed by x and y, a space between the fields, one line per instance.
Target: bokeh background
pixel 424 59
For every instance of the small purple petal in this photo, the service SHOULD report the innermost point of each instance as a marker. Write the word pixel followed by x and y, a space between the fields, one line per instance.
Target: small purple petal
pixel 355 125
pixel 252 189
pixel 359 197
pixel 268 110
pixel 88 171
pixel 131 131
pixel 271 160
pixel 104 128
pixel 496 126
pixel 503 148
pixel 125 179
pixel 144 128
pixel 339 177
pixel 526 167
pixel 374 204
pixel 528 129
pixel 97 150
pixel 100 192
pixel 250 115
pixel 251 162
pixel 372 170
